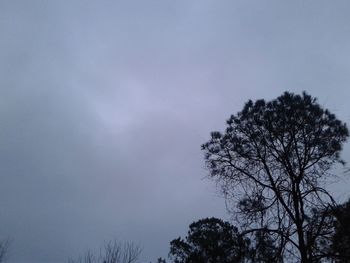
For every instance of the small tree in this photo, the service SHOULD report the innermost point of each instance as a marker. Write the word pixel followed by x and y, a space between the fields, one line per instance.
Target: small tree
pixel 210 240
pixel 3 250
pixel 161 260
pixel 272 161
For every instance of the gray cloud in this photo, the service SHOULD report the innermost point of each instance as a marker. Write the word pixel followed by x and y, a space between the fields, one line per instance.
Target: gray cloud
pixel 104 106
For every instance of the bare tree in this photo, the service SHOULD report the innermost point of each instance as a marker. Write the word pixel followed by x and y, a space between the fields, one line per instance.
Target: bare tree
pixel 112 252
pixel 272 162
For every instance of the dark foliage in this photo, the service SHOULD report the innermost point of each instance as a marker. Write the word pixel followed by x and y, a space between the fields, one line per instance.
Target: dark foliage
pixel 263 249
pixel 271 162
pixel 161 260
pixel 210 240
pixel 341 238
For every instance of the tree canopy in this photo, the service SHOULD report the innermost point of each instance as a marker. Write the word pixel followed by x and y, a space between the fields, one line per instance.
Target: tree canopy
pixel 271 161
pixel 209 240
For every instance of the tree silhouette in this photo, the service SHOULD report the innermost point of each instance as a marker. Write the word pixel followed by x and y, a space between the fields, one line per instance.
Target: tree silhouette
pixel 264 249
pixel 210 240
pixel 271 162
pixel 161 260
pixel 341 239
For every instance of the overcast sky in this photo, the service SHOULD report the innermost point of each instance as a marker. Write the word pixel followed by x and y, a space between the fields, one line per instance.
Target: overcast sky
pixel 104 106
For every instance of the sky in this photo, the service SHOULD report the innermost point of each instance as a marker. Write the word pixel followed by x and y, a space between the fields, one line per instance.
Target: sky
pixel 104 106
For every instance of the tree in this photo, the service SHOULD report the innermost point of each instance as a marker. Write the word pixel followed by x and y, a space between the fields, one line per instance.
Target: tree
pixel 112 252
pixel 271 162
pixel 161 260
pixel 3 250
pixel 209 240
pixel 340 246
pixel 264 249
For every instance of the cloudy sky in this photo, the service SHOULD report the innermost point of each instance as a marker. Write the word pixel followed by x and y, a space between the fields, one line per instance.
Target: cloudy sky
pixel 104 106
